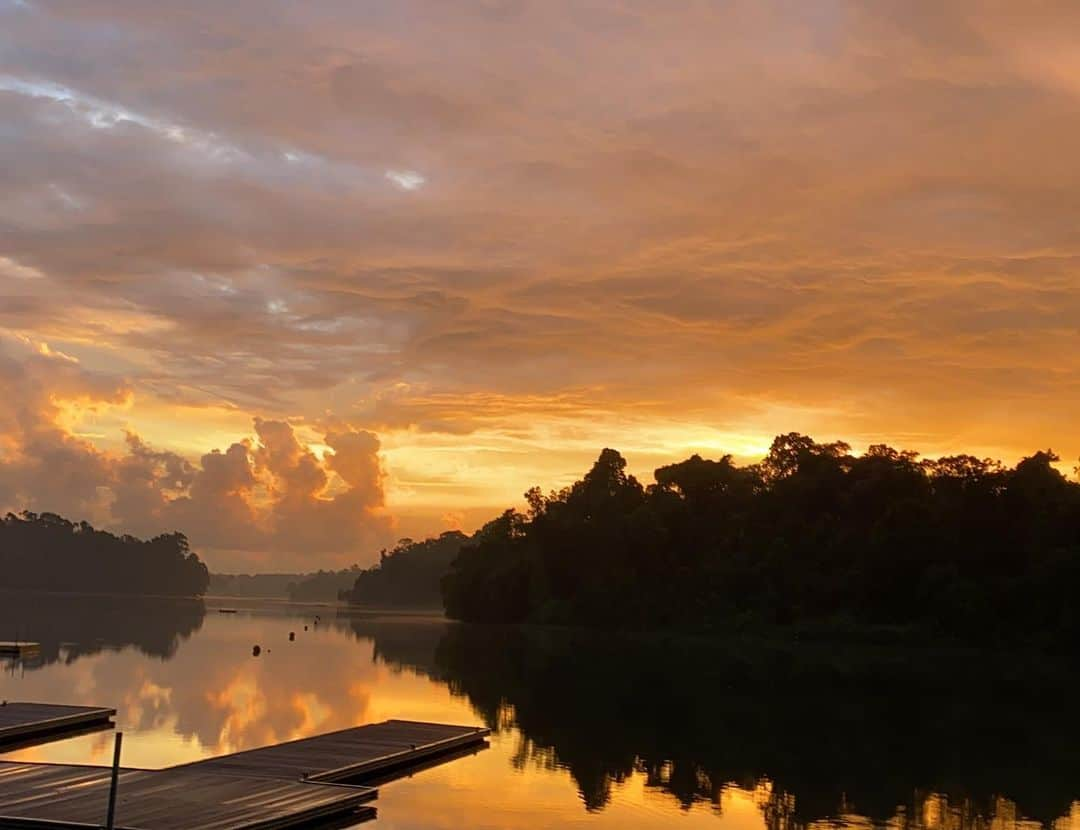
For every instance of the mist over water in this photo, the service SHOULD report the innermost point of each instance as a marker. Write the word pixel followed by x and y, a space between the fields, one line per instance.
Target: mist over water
pixel 590 730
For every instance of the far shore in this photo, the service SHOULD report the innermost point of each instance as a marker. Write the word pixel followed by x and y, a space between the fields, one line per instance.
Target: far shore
pixel 839 636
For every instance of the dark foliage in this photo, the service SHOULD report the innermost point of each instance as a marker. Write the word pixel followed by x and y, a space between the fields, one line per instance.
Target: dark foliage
pixel 48 553
pixel 270 585
pixel 323 585
pixel 316 586
pixel 812 534
pixel 409 575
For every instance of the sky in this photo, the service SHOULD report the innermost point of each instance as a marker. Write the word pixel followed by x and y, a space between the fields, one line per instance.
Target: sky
pixel 299 279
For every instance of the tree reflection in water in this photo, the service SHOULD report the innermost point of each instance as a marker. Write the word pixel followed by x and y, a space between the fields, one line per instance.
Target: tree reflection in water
pixel 70 626
pixel 812 735
pixel 815 732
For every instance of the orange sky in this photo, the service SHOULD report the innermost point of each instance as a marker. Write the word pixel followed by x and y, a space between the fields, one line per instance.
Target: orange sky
pixel 399 261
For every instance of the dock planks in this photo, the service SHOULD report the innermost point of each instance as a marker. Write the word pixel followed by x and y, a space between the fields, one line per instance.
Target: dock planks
pixel 9 648
pixel 350 754
pixel 287 785
pixel 55 796
pixel 24 721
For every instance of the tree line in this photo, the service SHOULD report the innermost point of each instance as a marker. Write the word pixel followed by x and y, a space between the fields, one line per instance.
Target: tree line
pixel 813 534
pixel 409 575
pixel 46 552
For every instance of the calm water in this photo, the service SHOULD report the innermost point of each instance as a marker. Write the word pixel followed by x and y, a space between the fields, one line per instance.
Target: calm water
pixel 590 731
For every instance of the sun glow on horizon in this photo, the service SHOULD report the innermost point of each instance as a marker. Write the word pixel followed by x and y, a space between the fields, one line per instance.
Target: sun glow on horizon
pixel 474 247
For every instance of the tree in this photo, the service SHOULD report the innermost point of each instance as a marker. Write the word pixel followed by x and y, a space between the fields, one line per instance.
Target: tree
pixel 812 534
pixel 47 552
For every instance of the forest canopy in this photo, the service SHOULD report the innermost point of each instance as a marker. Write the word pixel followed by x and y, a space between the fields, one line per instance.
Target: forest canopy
pixel 409 575
pixel 46 552
pixel 813 533
pixel 316 586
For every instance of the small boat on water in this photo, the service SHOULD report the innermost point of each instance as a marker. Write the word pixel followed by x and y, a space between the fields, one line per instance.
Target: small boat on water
pixel 226 610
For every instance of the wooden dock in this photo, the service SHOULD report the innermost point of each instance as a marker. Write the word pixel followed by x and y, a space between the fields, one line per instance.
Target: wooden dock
pixel 20 722
pixel 55 796
pixel 354 755
pixel 293 784
pixel 10 648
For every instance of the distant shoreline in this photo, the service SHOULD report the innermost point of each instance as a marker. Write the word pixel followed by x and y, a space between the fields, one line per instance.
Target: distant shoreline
pixel 889 642
pixel 101 594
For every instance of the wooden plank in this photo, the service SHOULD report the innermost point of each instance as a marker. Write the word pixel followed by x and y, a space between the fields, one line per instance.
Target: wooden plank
pixel 58 796
pixel 18 649
pixel 22 786
pixel 350 754
pixel 36 739
pixel 23 721
pixel 272 788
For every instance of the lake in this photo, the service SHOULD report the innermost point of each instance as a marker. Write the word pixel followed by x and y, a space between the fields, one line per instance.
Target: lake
pixel 589 730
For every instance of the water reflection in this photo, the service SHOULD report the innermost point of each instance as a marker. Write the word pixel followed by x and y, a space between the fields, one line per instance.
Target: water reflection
pixel 645 731
pixel 832 733
pixel 72 626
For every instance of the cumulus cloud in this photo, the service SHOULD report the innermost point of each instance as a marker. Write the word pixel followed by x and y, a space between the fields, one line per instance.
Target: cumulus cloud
pixel 261 502
pixel 273 498
pixel 38 456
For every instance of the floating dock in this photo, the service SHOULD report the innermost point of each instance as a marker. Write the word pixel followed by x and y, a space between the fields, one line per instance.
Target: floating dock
pixel 9 648
pixel 293 784
pixel 354 755
pixel 21 722
pixel 54 796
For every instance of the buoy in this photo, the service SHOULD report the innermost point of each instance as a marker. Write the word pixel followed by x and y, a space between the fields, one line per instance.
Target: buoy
pixel 255 651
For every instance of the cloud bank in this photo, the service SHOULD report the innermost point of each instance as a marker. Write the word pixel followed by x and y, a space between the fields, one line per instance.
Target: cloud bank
pixel 504 235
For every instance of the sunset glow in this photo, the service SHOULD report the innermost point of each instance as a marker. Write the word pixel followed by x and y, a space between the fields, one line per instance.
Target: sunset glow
pixel 299 280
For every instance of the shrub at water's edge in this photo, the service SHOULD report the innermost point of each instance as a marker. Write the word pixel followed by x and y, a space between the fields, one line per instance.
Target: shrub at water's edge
pixel 46 552
pixel 811 534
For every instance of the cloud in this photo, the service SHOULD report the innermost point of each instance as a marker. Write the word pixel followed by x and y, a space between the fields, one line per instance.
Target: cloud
pixel 11 268
pixel 38 456
pixel 262 501
pixel 406 179
pixel 506 235
pixel 273 502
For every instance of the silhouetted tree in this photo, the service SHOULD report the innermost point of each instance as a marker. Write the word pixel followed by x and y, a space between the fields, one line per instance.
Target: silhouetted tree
pixel 813 534
pixel 323 585
pixel 47 552
pixel 408 575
